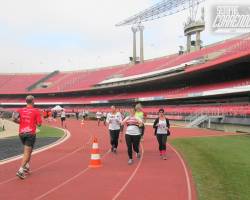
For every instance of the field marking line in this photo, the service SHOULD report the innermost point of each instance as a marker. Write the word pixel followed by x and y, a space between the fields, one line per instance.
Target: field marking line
pixel 65 137
pixel 50 163
pixel 67 181
pixel 189 191
pixel 130 178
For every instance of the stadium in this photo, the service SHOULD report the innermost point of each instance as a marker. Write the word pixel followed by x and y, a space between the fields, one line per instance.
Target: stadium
pixel 204 91
pixel 211 83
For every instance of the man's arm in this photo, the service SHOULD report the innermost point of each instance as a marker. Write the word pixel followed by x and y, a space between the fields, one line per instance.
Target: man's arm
pixel 38 119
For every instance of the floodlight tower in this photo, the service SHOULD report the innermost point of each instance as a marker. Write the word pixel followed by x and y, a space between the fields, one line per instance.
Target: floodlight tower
pixel 193 26
pixel 162 9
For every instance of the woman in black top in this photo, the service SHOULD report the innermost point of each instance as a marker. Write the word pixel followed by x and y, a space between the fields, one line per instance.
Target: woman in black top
pixel 161 126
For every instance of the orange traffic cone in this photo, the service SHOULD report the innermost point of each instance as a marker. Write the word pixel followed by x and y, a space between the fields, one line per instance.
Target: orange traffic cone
pixel 82 123
pixel 95 160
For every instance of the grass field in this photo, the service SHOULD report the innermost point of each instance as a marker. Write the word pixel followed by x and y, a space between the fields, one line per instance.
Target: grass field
pixel 47 131
pixel 220 166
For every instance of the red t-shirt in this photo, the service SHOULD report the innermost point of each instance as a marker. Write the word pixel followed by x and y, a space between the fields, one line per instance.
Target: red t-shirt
pixel 29 119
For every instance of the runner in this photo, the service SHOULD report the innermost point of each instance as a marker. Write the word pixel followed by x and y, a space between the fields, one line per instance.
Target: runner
pixel 98 117
pixel 28 118
pixel 114 120
pixel 132 135
pixel 104 116
pixel 141 115
pixel 63 117
pixel 161 126
pixel 77 114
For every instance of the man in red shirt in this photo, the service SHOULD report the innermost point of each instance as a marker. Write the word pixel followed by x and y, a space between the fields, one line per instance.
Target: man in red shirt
pixel 28 118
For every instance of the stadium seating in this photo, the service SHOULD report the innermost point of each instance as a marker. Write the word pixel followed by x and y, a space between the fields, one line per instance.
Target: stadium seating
pixel 17 83
pixel 84 80
pixel 43 85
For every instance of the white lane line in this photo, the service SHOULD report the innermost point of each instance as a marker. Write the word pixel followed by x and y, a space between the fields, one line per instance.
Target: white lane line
pixel 130 178
pixel 50 163
pixel 39 150
pixel 189 191
pixel 67 181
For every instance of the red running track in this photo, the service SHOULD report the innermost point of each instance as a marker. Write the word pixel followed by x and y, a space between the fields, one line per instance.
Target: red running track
pixel 62 172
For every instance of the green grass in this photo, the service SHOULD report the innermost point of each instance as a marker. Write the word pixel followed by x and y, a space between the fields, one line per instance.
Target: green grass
pixel 47 131
pixel 220 166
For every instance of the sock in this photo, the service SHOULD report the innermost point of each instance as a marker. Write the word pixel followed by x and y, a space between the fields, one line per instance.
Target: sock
pixel 21 169
pixel 27 165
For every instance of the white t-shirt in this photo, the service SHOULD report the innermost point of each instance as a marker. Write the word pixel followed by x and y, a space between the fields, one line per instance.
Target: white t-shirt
pixel 114 121
pixel 162 127
pixel 132 125
pixel 98 115
pixel 63 114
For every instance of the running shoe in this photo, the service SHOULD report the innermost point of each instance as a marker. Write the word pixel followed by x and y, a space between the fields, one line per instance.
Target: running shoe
pixel 164 157
pixel 20 175
pixel 114 150
pixel 26 170
pixel 130 161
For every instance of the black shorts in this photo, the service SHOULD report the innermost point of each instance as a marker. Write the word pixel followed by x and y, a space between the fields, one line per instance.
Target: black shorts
pixel 28 139
pixel 63 119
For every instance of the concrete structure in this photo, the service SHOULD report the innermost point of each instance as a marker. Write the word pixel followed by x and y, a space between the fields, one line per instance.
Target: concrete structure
pixel 134 30
pixel 196 28
pixel 141 29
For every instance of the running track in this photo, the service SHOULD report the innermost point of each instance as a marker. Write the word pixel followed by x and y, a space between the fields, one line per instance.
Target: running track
pixel 62 172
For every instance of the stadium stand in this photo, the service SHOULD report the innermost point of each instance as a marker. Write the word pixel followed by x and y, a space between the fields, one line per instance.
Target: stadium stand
pixel 212 81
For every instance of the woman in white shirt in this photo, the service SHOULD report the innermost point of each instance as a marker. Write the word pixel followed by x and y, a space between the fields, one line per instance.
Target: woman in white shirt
pixel 161 126
pixel 114 120
pixel 132 135
pixel 63 117
pixel 98 117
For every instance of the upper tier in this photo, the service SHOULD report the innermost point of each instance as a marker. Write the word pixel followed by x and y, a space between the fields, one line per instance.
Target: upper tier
pixel 209 56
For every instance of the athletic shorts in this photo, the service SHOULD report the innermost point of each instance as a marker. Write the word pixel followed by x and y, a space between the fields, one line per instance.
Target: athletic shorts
pixel 63 119
pixel 28 139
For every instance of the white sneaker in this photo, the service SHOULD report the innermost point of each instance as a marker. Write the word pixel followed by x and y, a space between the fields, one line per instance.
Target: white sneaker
pixel 130 161
pixel 21 175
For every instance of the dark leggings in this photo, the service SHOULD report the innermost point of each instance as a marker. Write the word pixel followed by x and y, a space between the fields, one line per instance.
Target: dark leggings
pixel 114 136
pixel 162 140
pixel 142 130
pixel 132 141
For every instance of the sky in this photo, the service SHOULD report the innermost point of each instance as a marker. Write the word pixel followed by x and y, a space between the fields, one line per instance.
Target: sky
pixel 66 35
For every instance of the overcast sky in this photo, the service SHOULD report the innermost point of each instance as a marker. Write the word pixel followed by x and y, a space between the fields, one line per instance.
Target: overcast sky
pixel 48 35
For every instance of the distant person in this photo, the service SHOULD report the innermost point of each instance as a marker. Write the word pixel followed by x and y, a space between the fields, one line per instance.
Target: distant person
pixel 83 114
pixel 132 135
pixel 114 120
pixel 141 115
pixel 28 118
pixel 54 114
pixel 45 114
pixel 104 116
pixel 77 114
pixel 63 117
pixel 162 126
pixel 98 117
